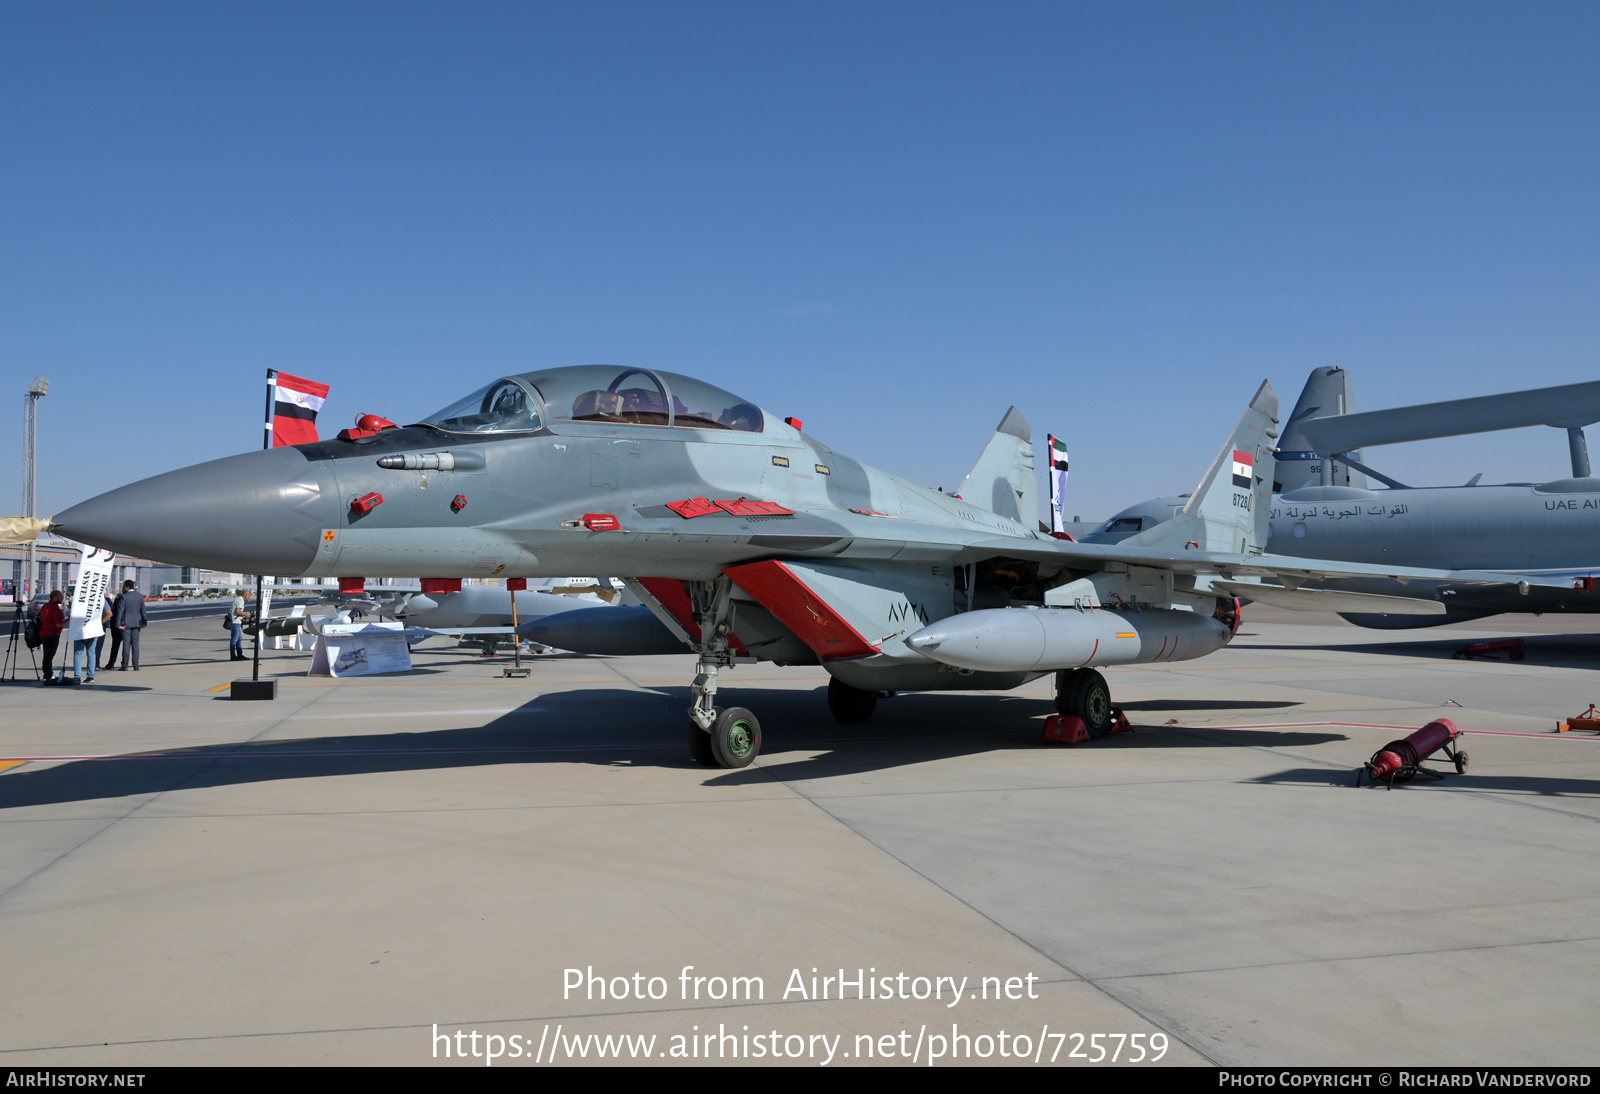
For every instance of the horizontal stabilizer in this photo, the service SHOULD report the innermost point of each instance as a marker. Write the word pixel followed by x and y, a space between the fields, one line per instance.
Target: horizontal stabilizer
pixel 1327 600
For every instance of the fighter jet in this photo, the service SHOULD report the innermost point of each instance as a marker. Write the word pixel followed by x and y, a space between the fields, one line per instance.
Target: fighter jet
pixel 1545 536
pixel 748 539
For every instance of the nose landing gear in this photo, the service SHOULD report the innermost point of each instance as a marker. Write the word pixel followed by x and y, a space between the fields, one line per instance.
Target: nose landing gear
pixel 717 737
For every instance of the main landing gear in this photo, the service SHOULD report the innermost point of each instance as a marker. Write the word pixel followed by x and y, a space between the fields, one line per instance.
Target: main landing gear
pixel 850 705
pixel 1084 693
pixel 717 737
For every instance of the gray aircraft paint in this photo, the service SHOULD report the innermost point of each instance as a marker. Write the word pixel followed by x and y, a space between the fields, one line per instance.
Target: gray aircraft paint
pixel 1327 391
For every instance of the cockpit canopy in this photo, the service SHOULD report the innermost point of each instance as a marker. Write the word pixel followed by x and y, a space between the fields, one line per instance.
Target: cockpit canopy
pixel 597 393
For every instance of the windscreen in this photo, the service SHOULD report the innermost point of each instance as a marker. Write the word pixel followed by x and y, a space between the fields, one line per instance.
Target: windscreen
pixel 610 393
pixel 501 407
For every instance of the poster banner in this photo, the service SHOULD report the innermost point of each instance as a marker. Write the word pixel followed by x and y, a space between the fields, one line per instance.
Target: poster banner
pixel 357 649
pixel 89 595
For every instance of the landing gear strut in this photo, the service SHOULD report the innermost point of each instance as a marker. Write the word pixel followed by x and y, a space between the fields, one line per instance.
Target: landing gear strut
pixel 1083 693
pixel 717 737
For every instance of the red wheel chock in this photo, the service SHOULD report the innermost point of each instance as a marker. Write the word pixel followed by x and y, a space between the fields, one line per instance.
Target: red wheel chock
pixel 1069 730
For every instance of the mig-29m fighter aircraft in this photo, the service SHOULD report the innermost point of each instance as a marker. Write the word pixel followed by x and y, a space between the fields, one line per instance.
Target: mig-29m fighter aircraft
pixel 748 538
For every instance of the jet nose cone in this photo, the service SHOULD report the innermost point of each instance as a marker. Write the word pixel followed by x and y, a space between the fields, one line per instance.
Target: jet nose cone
pixel 256 513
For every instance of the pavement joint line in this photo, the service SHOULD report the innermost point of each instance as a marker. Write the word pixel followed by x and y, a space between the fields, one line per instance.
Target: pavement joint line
pixel 339 717
pixel 710 1005
pixel 1038 949
pixel 111 822
pixel 663 802
pixel 1508 798
pixel 1358 957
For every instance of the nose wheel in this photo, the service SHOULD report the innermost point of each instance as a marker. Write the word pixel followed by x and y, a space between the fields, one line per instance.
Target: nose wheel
pixel 734 739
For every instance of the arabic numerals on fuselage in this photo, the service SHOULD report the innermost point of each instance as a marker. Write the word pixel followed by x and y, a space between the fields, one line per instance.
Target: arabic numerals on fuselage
pixel 906 611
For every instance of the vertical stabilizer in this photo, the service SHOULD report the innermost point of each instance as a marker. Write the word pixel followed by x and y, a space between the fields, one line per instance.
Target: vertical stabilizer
pixel 1328 391
pixel 1228 511
pixel 1002 480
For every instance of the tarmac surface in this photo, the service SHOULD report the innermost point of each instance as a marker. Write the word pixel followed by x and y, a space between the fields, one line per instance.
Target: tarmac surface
pixel 358 870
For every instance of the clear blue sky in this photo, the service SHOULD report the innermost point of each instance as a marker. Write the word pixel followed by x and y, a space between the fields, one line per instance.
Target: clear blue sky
pixel 890 219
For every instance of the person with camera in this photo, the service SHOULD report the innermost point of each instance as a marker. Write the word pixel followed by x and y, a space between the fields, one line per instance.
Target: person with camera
pixel 51 622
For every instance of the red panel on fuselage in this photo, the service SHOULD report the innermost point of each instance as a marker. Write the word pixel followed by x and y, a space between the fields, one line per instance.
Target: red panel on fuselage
pixel 669 591
pixel 778 590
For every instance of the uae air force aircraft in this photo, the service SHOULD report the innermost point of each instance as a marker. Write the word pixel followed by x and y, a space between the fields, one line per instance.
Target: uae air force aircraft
pixel 1545 535
pixel 748 539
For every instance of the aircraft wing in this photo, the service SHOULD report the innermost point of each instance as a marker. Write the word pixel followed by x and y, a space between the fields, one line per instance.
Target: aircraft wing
pixel 1288 571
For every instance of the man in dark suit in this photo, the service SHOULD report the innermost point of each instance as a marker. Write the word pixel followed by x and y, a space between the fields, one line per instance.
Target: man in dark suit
pixel 130 620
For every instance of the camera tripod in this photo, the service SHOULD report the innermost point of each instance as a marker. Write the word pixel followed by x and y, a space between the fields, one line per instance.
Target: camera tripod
pixel 12 655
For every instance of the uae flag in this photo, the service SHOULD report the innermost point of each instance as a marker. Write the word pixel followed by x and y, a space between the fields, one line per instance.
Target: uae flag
pixel 295 403
pixel 1058 483
pixel 1243 465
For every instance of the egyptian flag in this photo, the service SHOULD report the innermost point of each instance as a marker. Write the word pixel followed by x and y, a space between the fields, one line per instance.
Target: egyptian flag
pixel 295 403
pixel 1244 464
pixel 1058 483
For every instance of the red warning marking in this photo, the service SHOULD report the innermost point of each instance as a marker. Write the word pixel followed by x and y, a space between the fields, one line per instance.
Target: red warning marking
pixel 797 607
pixel 690 508
pixel 669 591
pixel 743 508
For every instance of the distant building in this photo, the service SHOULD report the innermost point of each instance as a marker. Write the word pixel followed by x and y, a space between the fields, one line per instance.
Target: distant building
pixel 57 568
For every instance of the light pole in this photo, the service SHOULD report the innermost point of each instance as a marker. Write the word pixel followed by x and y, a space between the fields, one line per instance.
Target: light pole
pixel 30 476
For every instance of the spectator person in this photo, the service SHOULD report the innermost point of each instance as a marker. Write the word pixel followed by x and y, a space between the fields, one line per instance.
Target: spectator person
pixel 51 621
pixel 237 616
pixel 130 620
pixel 106 621
pixel 83 652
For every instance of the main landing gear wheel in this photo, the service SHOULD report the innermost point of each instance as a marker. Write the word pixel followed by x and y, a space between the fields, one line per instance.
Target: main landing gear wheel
pixel 850 705
pixel 1084 693
pixel 700 745
pixel 735 737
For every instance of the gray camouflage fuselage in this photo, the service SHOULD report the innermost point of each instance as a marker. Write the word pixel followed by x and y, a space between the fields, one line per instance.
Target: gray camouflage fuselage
pixel 524 499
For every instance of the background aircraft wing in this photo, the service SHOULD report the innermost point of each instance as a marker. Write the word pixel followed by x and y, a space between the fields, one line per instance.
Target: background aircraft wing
pixel 1567 405
pixel 1288 571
